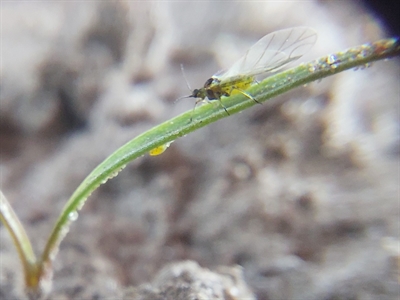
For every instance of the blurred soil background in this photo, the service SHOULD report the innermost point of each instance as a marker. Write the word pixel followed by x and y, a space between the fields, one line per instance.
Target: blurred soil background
pixel 294 199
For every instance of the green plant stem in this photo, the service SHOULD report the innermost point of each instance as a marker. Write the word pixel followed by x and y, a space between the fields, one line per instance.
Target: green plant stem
pixel 21 242
pixel 169 131
pixel 204 115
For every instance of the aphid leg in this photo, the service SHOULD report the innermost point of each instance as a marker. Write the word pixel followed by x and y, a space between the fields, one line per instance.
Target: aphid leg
pixel 220 103
pixel 201 100
pixel 224 107
pixel 248 96
pixel 194 107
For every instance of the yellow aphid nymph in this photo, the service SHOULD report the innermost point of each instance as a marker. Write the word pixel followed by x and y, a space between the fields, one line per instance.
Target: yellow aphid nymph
pixel 159 150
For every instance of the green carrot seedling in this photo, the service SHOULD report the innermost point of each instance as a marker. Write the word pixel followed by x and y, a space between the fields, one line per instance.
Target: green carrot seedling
pixel 38 271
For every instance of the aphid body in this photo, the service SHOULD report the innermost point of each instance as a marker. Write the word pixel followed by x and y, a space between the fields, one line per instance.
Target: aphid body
pixel 269 54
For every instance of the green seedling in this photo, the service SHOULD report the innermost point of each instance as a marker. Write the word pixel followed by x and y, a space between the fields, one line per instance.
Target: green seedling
pixel 38 271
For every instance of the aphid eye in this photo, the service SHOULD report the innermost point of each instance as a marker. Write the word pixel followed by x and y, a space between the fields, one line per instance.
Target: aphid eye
pixel 195 93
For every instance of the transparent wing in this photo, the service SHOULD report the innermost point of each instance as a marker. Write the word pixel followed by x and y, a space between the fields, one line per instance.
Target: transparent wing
pixel 273 51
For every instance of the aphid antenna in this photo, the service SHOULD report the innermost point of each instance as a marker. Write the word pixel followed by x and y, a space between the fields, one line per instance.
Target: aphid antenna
pixel 184 77
pixel 187 84
pixel 183 97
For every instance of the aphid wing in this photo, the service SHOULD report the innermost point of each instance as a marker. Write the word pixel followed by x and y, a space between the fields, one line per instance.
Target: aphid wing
pixel 248 65
pixel 274 51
